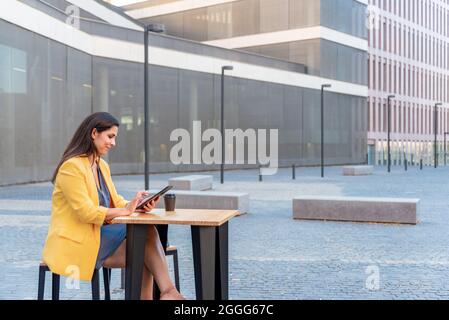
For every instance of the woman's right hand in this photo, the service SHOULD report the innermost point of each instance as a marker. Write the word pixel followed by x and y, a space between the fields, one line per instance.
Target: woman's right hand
pixel 131 206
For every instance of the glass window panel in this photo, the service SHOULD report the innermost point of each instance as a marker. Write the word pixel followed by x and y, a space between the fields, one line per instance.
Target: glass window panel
pixel 311 126
pixel 79 89
pixel 290 150
pixel 55 110
pixel 165 111
pixel 304 13
pixel 347 16
pixel 307 53
pixel 280 51
pixel 245 17
pixel 328 13
pixel 119 90
pixel 273 15
pixel 195 98
pixel 329 63
pixel 219 23
pixel 5 69
pixel 195 24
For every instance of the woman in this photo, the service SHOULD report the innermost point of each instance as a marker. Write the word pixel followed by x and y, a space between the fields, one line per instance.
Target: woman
pixel 84 202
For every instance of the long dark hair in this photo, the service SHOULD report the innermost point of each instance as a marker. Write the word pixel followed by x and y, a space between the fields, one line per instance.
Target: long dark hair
pixel 81 142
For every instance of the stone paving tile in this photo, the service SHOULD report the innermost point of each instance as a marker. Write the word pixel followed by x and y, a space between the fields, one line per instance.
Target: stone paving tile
pixel 272 256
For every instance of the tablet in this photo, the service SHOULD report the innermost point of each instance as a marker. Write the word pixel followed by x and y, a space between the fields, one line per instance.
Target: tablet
pixel 149 198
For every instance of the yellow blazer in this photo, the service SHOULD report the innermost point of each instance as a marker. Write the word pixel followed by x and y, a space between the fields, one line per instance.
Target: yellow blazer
pixel 73 238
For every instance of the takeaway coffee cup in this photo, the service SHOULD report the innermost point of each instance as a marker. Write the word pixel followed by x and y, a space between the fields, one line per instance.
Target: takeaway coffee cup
pixel 169 201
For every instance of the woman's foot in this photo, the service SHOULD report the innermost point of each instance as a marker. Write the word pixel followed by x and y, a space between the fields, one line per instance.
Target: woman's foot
pixel 172 294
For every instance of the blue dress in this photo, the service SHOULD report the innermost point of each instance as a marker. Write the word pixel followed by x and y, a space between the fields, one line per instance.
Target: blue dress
pixel 112 235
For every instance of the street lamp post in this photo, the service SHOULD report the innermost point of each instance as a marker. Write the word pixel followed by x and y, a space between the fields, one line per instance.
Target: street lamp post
pixel 223 69
pixel 322 127
pixel 146 112
pixel 157 28
pixel 435 126
pixel 389 130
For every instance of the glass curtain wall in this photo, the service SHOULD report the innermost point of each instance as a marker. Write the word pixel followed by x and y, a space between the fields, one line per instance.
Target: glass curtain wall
pixel 322 58
pixel 47 89
pixel 248 17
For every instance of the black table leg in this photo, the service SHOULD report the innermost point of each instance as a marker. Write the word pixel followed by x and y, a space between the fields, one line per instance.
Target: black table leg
pixel 203 245
pixel 163 237
pixel 55 286
pixel 222 263
pixel 136 237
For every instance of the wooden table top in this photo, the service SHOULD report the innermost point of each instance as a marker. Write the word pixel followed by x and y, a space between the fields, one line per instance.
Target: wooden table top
pixel 193 217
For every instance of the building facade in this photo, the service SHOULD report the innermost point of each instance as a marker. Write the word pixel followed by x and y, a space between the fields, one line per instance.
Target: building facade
pixel 327 36
pixel 408 58
pixel 62 60
pixel 407 54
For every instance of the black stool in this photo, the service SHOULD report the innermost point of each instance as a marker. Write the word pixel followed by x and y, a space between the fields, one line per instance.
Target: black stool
pixel 173 251
pixel 43 268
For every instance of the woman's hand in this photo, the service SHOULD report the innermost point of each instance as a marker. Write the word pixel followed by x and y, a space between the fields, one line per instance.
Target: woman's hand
pixel 131 206
pixel 149 206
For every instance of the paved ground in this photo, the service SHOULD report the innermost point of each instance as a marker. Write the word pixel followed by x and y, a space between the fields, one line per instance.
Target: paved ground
pixel 273 256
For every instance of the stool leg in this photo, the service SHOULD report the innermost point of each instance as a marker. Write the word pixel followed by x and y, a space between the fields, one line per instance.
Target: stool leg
pixel 176 267
pixel 55 286
pixel 41 286
pixel 122 278
pixel 95 286
pixel 107 281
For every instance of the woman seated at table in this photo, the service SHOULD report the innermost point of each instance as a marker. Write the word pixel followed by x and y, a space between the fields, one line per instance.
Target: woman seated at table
pixel 84 202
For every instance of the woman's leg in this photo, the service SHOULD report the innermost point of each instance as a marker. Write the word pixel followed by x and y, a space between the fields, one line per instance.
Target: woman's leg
pixel 156 263
pixel 147 285
pixel 118 260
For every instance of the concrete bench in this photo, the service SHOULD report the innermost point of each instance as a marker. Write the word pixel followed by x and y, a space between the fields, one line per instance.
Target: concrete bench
pixel 357 170
pixel 209 200
pixel 193 182
pixel 357 209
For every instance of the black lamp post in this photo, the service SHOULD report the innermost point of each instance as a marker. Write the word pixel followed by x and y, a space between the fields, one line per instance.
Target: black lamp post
pixel 322 127
pixel 435 126
pixel 146 112
pixel 158 28
pixel 389 130
pixel 223 69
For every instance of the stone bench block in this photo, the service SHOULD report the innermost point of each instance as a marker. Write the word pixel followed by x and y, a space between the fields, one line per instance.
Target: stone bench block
pixel 193 182
pixel 209 200
pixel 357 209
pixel 357 170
